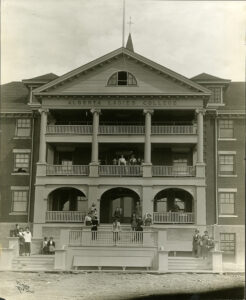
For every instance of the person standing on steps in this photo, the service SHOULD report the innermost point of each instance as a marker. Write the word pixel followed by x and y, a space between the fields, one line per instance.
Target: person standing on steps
pixel 28 239
pixel 196 244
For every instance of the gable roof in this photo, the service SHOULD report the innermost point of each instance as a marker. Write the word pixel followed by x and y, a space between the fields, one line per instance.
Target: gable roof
pixel 204 77
pixel 14 97
pixel 41 79
pixel 128 53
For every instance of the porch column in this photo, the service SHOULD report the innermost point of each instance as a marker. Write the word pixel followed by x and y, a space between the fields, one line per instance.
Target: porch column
pixel 94 152
pixel 200 135
pixel 42 145
pixel 147 145
pixel 147 166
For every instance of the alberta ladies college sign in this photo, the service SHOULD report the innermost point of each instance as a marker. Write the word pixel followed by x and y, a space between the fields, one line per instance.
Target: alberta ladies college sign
pixel 121 103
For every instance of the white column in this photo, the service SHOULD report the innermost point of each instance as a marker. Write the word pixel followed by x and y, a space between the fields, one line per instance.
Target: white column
pixel 42 145
pixel 94 151
pixel 147 145
pixel 200 136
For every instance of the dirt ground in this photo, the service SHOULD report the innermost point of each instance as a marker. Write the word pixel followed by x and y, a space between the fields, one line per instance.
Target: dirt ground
pixel 109 286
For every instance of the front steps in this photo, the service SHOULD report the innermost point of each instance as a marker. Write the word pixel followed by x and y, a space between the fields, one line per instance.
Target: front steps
pixel 188 264
pixel 33 263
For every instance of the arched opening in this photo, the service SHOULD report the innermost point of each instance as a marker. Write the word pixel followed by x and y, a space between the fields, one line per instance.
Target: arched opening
pixel 67 199
pixel 174 205
pixel 123 199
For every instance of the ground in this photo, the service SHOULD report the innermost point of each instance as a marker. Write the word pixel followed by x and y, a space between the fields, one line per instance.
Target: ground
pixel 109 286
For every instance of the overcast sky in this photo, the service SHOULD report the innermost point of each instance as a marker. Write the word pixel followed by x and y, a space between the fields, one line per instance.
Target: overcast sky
pixel 189 37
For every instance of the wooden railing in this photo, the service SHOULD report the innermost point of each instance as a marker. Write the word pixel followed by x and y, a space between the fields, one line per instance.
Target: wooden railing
pixel 173 129
pixel 110 238
pixel 65 216
pixel 121 129
pixel 69 129
pixel 173 217
pixel 124 171
pixel 173 171
pixel 66 170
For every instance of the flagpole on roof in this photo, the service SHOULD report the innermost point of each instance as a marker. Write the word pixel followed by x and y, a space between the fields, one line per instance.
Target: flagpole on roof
pixel 123 25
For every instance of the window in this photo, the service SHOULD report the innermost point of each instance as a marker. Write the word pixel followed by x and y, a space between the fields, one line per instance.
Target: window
pixel 122 78
pixel 23 127
pixel 226 129
pixel 226 203
pixel 19 200
pixel 180 166
pixel 21 162
pixel 216 96
pixel 227 244
pixel 160 205
pixel 226 164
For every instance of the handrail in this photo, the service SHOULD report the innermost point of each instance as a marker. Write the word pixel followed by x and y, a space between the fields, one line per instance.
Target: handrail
pixel 115 170
pixel 69 129
pixel 67 170
pixel 173 217
pixel 65 216
pixel 173 171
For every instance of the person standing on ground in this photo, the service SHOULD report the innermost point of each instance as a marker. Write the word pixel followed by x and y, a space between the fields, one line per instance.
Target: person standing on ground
pixel 205 244
pixel 51 245
pixel 21 242
pixel 16 230
pixel 196 244
pixel 28 239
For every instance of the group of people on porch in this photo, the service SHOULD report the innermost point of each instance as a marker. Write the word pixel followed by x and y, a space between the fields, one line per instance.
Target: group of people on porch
pixel 132 160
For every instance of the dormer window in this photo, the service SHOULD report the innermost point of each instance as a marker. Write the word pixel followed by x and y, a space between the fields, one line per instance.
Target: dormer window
pixel 122 78
pixel 216 96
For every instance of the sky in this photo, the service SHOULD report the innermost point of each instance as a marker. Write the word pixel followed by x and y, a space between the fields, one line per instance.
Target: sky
pixel 189 37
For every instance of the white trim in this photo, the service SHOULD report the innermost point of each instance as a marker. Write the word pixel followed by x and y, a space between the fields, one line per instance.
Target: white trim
pixel 227 152
pixel 21 150
pixel 226 139
pixel 228 216
pixel 20 173
pixel 18 213
pixel 19 188
pixel 21 137
pixel 227 175
pixel 229 190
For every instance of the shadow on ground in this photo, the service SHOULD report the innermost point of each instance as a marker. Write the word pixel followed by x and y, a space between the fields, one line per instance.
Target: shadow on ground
pixel 237 293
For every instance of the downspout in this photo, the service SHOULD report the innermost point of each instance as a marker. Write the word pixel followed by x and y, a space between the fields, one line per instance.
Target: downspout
pixel 31 171
pixel 216 171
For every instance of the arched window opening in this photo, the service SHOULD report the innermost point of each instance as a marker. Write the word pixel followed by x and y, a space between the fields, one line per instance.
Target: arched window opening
pixel 122 78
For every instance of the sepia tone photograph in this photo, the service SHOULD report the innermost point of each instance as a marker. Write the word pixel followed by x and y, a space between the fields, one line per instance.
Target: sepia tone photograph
pixel 122 149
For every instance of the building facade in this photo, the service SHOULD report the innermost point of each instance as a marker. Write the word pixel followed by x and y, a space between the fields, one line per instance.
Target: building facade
pixel 64 141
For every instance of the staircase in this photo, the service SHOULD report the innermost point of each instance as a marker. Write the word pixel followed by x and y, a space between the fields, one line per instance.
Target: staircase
pixel 188 264
pixel 33 263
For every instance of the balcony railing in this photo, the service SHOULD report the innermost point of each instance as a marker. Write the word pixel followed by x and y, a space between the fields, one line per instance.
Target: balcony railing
pixel 69 129
pixel 65 216
pixel 66 170
pixel 174 129
pixel 121 171
pixel 110 238
pixel 173 171
pixel 120 129
pixel 173 217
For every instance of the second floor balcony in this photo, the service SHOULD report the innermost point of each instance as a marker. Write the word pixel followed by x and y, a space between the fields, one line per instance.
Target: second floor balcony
pixel 120 171
pixel 63 130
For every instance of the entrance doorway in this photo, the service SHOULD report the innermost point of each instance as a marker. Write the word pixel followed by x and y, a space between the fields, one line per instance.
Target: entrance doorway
pixel 122 200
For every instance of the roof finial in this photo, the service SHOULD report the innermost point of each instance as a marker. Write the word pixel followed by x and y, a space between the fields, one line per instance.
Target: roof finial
pixel 130 23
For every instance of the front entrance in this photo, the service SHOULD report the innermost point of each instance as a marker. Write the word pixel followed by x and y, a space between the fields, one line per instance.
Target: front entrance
pixel 118 202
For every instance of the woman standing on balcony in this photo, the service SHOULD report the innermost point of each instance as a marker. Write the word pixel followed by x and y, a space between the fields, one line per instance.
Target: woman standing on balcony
pixel 134 222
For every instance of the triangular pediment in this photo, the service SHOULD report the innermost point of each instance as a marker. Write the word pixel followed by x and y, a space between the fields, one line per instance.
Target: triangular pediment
pixel 92 78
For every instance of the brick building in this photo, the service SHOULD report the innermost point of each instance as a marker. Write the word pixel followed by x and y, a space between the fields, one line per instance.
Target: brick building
pixel 62 137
